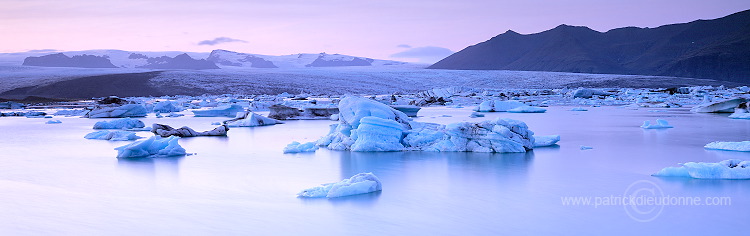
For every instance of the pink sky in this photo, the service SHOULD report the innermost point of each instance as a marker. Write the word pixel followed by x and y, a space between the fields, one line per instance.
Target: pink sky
pixel 355 27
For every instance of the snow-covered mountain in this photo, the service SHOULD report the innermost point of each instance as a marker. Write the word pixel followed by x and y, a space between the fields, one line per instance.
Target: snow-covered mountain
pixel 236 59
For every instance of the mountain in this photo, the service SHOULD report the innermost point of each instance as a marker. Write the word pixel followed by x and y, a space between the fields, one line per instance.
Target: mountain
pixel 182 61
pixel 711 49
pixel 236 59
pixel 61 60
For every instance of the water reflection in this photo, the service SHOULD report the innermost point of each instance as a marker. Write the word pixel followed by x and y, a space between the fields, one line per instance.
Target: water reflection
pixel 150 168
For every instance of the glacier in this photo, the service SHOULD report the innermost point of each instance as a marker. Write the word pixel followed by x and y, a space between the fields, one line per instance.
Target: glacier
pixel 154 146
pixel 358 184
pixel 727 169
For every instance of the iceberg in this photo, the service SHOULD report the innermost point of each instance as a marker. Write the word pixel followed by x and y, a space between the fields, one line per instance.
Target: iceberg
pixel 498 106
pixel 296 147
pixel 250 119
pixel 743 146
pixel 660 124
pixel 167 107
pixel 127 110
pixel 501 135
pixel 154 146
pixel 545 140
pixel 122 123
pixel 409 110
pixel 53 122
pixel 740 113
pixel 225 110
pixel 578 109
pixel 723 106
pixel 586 147
pixel 358 184
pixel 727 169
pixel 116 135
pixel 588 93
pixel 376 134
pixel 527 109
pixel 166 131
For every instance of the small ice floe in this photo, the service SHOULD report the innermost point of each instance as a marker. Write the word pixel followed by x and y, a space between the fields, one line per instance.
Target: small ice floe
pixel 578 109
pixel 167 107
pixel 296 147
pixel 114 135
pixel 545 140
pixel 225 110
pixel 173 115
pixel 740 113
pixel 727 169
pixel 586 147
pixel 154 146
pixel 122 123
pixel 358 184
pixel 743 146
pixel 588 93
pixel 527 109
pixel 723 106
pixel 497 106
pixel 250 119
pixel 127 110
pixel 660 124
pixel 53 122
pixel 166 131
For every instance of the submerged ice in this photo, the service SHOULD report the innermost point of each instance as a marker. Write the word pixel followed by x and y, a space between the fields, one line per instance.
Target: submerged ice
pixel 357 184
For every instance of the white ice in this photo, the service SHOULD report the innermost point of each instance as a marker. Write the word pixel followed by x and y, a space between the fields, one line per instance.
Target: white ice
pixel 154 146
pixel 167 107
pixel 727 169
pixel 527 109
pixel 498 106
pixel 115 135
pixel 122 123
pixel 545 140
pixel 296 147
pixel 358 184
pixel 743 146
pixel 723 106
pixel 660 124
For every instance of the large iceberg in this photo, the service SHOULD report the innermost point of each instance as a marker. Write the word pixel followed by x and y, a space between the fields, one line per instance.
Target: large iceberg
pixel 166 131
pixel 498 106
pixel 660 124
pixel 127 110
pixel 154 146
pixel 116 135
pixel 367 125
pixel 250 119
pixel 225 110
pixel 357 184
pixel 296 147
pixel 122 123
pixel 723 106
pixel 727 169
pixel 743 146
pixel 545 140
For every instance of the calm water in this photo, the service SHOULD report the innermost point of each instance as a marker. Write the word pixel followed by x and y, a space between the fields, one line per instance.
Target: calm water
pixel 53 181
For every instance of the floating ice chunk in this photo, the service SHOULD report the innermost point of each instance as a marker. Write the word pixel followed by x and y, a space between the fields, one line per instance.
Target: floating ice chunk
pixel 498 106
pixel 53 122
pixel 376 134
pixel 723 106
pixel 476 114
pixel 586 147
pixel 743 146
pixel 166 131
pixel 578 109
pixel 225 110
pixel 409 110
pixel 352 111
pixel 116 135
pixel 358 184
pixel 527 109
pixel 740 113
pixel 122 123
pixel 154 146
pixel 727 169
pixel 127 110
pixel 167 107
pixel 500 135
pixel 660 124
pixel 296 147
pixel 250 119
pixel 70 112
pixel 545 140
pixel 588 93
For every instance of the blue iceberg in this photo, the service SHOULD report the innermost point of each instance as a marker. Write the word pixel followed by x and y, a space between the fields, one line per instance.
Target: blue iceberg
pixel 727 169
pixel 123 123
pixel 154 146
pixel 357 184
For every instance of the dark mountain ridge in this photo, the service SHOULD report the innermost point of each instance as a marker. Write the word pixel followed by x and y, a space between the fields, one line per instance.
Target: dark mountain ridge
pixel 712 49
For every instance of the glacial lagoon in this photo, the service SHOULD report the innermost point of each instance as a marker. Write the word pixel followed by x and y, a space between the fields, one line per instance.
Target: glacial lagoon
pixel 53 181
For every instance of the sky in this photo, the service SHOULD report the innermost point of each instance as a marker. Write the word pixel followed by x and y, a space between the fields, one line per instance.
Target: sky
pixel 406 30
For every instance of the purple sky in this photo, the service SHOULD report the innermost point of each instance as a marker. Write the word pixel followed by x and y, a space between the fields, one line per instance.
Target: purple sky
pixel 411 30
